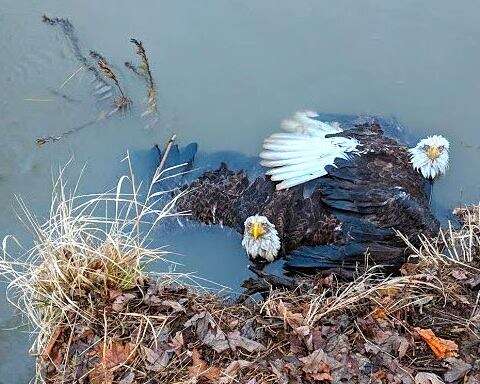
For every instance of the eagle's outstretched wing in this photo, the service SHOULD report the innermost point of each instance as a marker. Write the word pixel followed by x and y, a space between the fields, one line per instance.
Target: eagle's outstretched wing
pixel 304 150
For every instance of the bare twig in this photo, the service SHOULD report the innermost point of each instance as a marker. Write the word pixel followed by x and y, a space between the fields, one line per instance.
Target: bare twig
pixel 166 151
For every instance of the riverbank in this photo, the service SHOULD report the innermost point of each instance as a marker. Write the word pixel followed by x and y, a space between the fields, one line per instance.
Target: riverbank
pixel 420 327
pixel 99 317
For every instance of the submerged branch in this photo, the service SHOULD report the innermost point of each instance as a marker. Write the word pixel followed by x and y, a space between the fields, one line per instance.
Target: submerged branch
pixel 102 71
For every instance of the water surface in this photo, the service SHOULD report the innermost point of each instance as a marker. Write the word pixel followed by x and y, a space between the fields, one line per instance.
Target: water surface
pixel 227 73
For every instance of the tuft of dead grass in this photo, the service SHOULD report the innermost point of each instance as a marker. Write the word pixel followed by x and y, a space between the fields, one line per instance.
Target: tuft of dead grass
pixel 90 249
pixel 453 246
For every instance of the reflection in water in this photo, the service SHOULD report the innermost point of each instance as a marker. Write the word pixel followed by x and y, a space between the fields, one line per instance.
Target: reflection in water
pixel 226 73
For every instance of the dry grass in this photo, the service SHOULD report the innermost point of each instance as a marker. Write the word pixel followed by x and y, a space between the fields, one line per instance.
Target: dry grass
pixel 369 287
pixel 458 246
pixel 143 70
pixel 89 248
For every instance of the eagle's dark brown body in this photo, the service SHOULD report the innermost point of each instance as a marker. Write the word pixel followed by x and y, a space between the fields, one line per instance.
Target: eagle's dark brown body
pixel 354 209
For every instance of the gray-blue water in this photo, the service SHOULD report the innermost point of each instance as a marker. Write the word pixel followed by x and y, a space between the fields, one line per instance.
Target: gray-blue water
pixel 227 73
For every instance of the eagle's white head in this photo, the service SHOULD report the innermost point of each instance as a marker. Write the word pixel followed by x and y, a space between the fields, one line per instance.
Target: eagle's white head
pixel 430 156
pixel 260 238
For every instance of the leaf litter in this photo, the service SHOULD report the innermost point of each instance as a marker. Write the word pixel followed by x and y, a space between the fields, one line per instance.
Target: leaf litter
pixel 203 338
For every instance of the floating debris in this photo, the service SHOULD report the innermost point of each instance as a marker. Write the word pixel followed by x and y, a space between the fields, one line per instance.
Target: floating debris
pixel 69 32
pixel 51 139
pixel 166 151
pixel 102 72
pixel 122 102
pixel 38 100
pixel 67 80
pixel 143 71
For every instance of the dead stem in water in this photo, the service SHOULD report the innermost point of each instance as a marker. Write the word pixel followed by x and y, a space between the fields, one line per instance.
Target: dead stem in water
pixel 102 88
pixel 102 72
pixel 52 139
pixel 143 70
pixel 69 32
pixel 122 102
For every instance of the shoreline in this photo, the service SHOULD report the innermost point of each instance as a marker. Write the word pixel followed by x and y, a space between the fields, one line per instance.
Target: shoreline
pixel 123 326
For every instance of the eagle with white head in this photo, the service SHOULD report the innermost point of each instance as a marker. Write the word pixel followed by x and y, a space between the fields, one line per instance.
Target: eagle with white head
pixel 260 238
pixel 430 156
pixel 371 190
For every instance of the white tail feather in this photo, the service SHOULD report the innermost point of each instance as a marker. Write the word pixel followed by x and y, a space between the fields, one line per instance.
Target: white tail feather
pixel 303 152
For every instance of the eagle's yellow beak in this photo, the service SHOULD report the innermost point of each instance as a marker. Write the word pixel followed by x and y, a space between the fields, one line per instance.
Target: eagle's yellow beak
pixel 433 152
pixel 257 230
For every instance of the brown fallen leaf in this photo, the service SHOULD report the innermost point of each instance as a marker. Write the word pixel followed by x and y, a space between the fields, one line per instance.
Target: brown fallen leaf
pixel 379 376
pixel 101 376
pixel 121 301
pixel 115 355
pixel 317 366
pixel 235 340
pixel 277 367
pixel 294 320
pixel 314 340
pixel 303 330
pixel 401 344
pixel 441 348
pixel 156 360
pixel 211 335
pixel 427 378
pixel 177 342
pixel 113 293
pixel 53 339
pixel 175 305
pixel 200 369
pixel 127 378
pixel 459 274
pixel 208 332
pixel 230 373
pixel 379 314
pixel 457 369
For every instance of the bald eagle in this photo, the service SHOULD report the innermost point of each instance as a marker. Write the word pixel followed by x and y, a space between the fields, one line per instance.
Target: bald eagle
pixel 329 195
